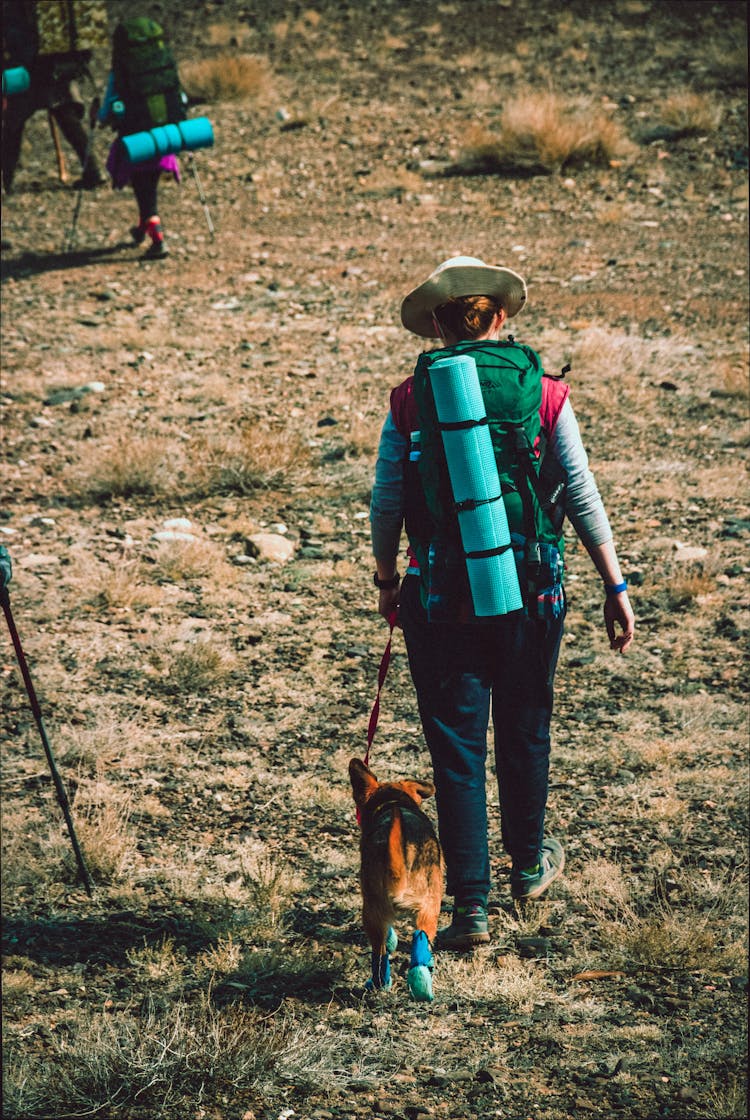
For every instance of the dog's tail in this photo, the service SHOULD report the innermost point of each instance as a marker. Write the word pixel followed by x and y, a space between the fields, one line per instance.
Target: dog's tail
pixel 396 861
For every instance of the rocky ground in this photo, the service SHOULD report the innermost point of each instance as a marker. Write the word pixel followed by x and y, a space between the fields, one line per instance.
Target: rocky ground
pixel 165 423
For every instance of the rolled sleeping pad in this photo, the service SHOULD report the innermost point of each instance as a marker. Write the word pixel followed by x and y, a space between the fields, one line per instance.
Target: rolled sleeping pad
pixel 15 80
pixel 472 470
pixel 169 139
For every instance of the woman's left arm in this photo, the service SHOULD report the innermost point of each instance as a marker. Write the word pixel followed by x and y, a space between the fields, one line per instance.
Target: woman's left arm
pixel 617 608
pixel 588 516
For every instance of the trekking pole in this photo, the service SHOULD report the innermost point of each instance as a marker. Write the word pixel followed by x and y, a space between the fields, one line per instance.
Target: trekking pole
pixel 61 170
pixel 72 235
pixel 62 797
pixel 201 196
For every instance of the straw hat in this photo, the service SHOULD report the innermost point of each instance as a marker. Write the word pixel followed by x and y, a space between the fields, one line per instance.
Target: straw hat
pixel 461 276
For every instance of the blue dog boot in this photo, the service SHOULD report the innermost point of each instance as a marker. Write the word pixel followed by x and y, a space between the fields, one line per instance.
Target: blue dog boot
pixel 391 940
pixel 419 976
pixel 381 974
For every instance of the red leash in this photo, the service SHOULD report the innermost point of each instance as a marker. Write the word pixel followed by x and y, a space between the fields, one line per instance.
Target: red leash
pixel 382 674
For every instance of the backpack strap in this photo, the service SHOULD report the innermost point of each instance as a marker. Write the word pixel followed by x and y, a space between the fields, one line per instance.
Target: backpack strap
pixel 551 502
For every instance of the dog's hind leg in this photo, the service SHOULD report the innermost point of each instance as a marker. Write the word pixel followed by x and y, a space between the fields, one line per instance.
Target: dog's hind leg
pixel 383 942
pixel 421 964
pixel 419 976
pixel 381 979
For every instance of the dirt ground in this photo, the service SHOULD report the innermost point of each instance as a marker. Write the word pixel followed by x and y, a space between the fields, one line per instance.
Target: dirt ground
pixel 162 419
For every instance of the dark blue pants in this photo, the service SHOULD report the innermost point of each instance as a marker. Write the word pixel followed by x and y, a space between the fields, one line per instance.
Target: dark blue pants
pixel 460 672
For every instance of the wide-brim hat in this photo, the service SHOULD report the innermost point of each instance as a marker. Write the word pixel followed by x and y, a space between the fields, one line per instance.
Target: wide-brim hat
pixel 461 276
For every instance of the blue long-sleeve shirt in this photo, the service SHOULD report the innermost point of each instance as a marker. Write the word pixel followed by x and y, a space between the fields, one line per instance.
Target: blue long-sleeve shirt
pixel 583 502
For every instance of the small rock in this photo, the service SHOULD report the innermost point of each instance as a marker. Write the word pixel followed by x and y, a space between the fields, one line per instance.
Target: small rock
pixel 38 560
pixel 270 546
pixel 169 535
pixel 533 947
pixel 226 305
pixel 178 524
pixel 689 552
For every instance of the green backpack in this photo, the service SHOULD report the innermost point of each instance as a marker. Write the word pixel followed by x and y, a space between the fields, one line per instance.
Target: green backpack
pixel 510 378
pixel 145 76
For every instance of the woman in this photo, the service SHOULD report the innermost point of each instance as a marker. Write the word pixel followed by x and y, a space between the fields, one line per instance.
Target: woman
pixel 462 668
pixel 142 91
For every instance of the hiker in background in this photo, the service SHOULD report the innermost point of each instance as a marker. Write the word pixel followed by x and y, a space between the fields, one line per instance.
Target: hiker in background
pixel 143 92
pixel 462 667
pixel 56 54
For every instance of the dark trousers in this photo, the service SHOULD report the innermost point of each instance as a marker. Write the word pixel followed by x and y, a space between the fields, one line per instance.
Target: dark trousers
pixel 460 673
pixel 145 188
pixel 53 87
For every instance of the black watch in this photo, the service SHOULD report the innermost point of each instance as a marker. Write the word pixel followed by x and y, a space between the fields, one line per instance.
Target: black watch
pixel 386 584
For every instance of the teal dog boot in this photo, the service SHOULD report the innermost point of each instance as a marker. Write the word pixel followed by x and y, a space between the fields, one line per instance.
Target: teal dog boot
pixel 419 976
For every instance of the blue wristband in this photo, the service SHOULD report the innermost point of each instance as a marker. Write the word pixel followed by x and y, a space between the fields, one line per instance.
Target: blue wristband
pixel 616 588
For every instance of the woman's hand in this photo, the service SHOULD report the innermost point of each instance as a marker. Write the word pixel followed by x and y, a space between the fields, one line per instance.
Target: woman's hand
pixel 618 612
pixel 388 603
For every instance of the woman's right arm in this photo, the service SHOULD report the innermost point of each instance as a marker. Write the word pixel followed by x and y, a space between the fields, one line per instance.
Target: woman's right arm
pixel 387 509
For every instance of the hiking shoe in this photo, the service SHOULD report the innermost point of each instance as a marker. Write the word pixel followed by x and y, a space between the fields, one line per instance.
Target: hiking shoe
pixel 534 881
pixel 89 181
pixel 156 250
pixel 468 928
pixel 138 233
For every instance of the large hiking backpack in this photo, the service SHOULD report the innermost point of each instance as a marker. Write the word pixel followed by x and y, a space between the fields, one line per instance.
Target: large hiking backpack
pixel 71 27
pixel 145 76
pixel 510 379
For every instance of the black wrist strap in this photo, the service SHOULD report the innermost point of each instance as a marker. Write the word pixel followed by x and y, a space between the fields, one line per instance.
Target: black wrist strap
pixel 386 584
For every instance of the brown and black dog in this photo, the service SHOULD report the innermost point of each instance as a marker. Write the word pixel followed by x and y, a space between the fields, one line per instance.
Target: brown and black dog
pixel 401 870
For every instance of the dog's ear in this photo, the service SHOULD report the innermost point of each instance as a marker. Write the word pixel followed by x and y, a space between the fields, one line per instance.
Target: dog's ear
pixel 419 790
pixel 364 782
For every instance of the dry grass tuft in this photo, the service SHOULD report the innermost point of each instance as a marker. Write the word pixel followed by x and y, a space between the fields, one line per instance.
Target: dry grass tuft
pixel 257 457
pixel 119 587
pixel 158 962
pixel 102 816
pixel 700 931
pixel 200 666
pixel 226 77
pixel 727 64
pixel 683 591
pixel 265 888
pixel 224 957
pixel 132 467
pixel 691 113
pixel 110 742
pixel 158 1064
pixel 485 976
pixel 188 560
pixel 546 132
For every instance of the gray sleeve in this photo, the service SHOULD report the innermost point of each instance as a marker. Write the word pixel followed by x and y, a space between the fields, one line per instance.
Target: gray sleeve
pixel 387 501
pixel 583 503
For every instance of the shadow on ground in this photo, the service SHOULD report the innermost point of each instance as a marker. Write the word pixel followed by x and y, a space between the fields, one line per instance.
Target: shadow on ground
pixel 34 264
pixel 106 938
